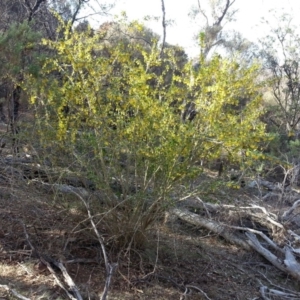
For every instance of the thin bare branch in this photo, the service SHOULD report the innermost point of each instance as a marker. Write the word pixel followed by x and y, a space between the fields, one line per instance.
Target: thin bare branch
pixel 203 13
pixel 110 267
pixel 225 10
pixel 32 10
pixel 164 25
pixel 58 281
pixel 198 289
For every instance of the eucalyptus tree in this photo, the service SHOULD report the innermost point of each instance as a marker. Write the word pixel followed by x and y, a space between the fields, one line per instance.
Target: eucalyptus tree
pixel 215 13
pixel 281 55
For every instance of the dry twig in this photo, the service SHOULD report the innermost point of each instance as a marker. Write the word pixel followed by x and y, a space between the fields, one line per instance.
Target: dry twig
pixel 110 267
pixel 67 278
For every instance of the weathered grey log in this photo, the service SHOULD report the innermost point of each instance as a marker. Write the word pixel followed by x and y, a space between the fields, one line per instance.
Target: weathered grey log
pixel 211 225
pixel 248 241
pixel 288 213
pixel 272 258
pixel 291 263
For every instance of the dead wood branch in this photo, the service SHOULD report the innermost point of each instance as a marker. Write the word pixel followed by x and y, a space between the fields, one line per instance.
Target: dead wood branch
pixel 291 263
pixel 110 267
pixel 273 259
pixel 197 202
pixel 294 235
pixel 263 217
pixel 278 187
pixel 57 279
pixel 67 189
pixel 248 241
pixel 268 294
pixel 67 278
pixel 211 225
pixel 288 213
pixel 281 292
pixel 188 286
pixel 262 235
pixel 263 209
pixel 14 292
pixel 60 179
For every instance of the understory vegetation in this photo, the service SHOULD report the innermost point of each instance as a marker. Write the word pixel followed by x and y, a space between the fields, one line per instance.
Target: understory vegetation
pixel 120 138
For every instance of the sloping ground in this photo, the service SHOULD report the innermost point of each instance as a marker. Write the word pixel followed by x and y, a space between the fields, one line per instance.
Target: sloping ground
pixel 180 261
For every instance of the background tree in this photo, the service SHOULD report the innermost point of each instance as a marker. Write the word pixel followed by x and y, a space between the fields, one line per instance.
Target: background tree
pixel 18 56
pixel 242 49
pixel 20 27
pixel 28 10
pixel 218 13
pixel 281 54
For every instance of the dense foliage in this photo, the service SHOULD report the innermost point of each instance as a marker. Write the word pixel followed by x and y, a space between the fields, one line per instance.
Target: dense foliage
pixel 117 120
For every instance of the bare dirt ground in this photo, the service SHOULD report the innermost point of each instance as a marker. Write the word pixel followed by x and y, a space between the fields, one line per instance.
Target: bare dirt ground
pixel 179 262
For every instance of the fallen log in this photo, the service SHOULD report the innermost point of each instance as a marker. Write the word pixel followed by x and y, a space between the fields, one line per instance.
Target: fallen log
pixel 211 225
pixel 283 258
